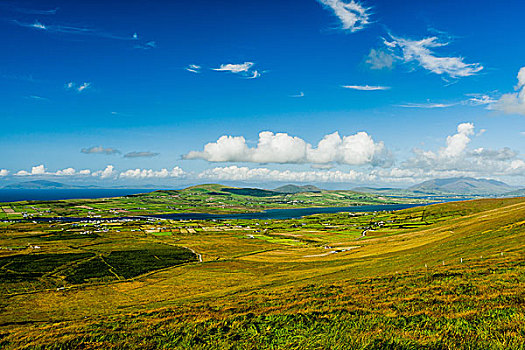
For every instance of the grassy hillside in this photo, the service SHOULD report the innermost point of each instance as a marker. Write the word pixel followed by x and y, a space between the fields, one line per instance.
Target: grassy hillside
pixel 437 277
pixel 211 198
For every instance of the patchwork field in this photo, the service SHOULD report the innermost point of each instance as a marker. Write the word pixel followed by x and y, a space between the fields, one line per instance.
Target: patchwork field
pixel 198 199
pixel 442 276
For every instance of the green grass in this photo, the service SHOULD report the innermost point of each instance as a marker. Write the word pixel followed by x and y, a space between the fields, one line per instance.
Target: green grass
pixel 446 276
pixel 133 263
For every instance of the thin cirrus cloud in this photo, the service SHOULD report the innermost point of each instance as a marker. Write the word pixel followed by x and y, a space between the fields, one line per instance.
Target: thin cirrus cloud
pixel 357 149
pixel 78 87
pixel 428 105
pixel 366 87
pixel 193 68
pixel 100 150
pixel 146 46
pixel 513 103
pixel 76 30
pixel 379 59
pixel 421 53
pixel 140 155
pixel 235 68
pixel 353 15
pixel 300 94
pixel 29 11
pixel 38 98
pixel 243 69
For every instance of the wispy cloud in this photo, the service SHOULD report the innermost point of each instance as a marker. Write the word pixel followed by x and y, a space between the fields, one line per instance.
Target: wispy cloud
pixel 28 11
pixel 243 69
pixel 99 150
pixel 193 68
pixel 255 75
pixel 76 30
pixel 365 87
pixel 379 59
pixel 420 52
pixel 300 94
pixel 479 100
pixel 38 98
pixel 140 155
pixel 77 87
pixel 427 105
pixel 146 46
pixel 235 68
pixel 353 15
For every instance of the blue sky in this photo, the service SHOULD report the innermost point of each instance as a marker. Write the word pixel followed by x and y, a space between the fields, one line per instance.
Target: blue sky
pixel 172 93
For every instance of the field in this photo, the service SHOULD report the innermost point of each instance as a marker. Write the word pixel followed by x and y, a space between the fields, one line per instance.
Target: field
pixel 200 199
pixel 445 276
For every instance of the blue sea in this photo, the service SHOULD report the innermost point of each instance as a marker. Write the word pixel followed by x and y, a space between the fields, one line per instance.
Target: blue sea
pixel 15 195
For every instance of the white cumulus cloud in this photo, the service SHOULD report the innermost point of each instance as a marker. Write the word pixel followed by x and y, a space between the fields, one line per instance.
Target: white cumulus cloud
pixel 108 172
pixel 36 170
pixel 176 172
pixel 357 149
pixel 4 172
pixel 457 143
pixel 456 160
pixel 513 103
pixel 235 173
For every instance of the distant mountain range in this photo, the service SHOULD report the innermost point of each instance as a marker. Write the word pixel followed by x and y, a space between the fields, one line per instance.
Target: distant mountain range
pixel 462 185
pixel 42 185
pixel 465 186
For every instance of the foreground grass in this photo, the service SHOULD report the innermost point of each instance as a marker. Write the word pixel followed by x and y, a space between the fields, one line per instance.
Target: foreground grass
pixel 448 276
pixel 474 307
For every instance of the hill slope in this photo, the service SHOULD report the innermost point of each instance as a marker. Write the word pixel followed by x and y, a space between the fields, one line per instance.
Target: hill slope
pixel 297 189
pixel 446 276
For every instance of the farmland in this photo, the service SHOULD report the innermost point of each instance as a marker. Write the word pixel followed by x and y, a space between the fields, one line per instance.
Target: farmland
pixel 441 276
pixel 198 199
